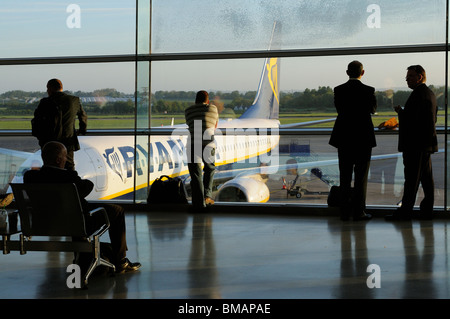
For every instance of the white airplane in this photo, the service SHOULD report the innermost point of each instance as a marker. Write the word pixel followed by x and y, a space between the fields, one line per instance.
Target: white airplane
pixel 109 161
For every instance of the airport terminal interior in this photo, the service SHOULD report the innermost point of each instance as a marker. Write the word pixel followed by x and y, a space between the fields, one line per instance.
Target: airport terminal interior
pixel 247 255
pixel 136 66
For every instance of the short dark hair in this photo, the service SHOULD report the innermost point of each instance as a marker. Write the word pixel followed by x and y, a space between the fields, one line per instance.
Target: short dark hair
pixel 55 84
pixel 51 152
pixel 202 97
pixel 354 69
pixel 419 70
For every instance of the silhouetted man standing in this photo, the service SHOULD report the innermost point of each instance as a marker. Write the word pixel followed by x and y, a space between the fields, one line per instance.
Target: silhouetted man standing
pixel 71 109
pixel 202 119
pixel 354 137
pixel 417 140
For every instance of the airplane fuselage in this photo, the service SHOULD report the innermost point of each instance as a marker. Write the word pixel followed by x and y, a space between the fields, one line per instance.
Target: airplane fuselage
pixel 118 169
pixel 109 161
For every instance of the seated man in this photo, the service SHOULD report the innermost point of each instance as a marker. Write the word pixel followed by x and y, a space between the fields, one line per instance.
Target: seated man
pixel 54 157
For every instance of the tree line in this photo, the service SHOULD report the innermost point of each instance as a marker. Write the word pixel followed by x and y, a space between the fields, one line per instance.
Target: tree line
pixel 175 102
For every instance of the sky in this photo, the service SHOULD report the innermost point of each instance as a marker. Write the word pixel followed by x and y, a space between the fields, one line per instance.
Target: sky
pixel 55 28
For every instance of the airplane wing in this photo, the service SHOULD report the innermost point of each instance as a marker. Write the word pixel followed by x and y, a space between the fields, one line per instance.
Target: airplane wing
pixel 12 160
pixel 249 184
pixel 309 123
pixel 19 154
pixel 290 125
pixel 272 169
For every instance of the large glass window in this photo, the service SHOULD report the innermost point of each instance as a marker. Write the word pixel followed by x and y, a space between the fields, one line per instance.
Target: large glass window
pixel 106 91
pixel 306 85
pixel 54 28
pixel 233 25
pixel 136 65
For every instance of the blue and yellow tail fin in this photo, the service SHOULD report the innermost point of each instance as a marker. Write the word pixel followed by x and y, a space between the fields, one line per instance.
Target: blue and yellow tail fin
pixel 267 100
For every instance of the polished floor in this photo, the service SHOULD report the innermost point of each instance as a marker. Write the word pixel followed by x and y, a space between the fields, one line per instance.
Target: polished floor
pixel 243 255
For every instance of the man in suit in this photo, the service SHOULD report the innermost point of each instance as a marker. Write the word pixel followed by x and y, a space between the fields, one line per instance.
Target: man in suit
pixel 354 137
pixel 54 155
pixel 71 109
pixel 417 140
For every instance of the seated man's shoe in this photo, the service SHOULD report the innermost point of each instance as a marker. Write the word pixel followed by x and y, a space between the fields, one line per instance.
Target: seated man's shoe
pixel 209 201
pixel 362 216
pixel 126 266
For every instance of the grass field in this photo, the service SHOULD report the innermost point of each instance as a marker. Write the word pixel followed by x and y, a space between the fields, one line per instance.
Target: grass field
pixel 127 122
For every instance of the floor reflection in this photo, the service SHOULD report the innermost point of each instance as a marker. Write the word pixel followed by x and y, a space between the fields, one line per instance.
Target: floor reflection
pixel 203 275
pixel 419 260
pixel 238 256
pixel 354 260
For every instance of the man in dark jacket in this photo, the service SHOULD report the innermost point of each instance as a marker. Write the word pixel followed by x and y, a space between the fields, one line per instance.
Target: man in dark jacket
pixel 71 109
pixel 417 140
pixel 54 157
pixel 354 137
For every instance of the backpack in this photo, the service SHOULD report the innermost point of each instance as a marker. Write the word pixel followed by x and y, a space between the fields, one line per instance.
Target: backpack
pixel 170 190
pixel 47 122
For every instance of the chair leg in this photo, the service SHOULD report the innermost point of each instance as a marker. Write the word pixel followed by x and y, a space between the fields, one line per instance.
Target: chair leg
pixel 106 263
pixel 97 261
pixel 91 268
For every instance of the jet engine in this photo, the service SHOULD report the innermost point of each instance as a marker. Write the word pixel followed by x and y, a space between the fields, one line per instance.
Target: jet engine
pixel 243 189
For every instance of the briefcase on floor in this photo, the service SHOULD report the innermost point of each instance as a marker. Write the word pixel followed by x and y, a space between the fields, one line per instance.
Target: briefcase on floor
pixel 166 190
pixel 334 197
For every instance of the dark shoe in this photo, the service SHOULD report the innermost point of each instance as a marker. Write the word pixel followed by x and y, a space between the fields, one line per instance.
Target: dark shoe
pixel 127 266
pixel 425 216
pixel 345 213
pixel 198 209
pixel 362 216
pixel 397 216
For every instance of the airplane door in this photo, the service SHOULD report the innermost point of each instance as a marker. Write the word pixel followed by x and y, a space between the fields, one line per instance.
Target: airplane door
pixel 101 179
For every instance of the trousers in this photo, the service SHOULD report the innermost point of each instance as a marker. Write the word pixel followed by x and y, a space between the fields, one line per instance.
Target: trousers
pixel 418 170
pixel 202 179
pixel 117 228
pixel 357 161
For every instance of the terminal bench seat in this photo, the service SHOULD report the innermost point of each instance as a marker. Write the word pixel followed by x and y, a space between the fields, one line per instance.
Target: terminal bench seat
pixel 54 210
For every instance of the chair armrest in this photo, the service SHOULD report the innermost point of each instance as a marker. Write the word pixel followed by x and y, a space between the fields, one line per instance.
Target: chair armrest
pixel 105 227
